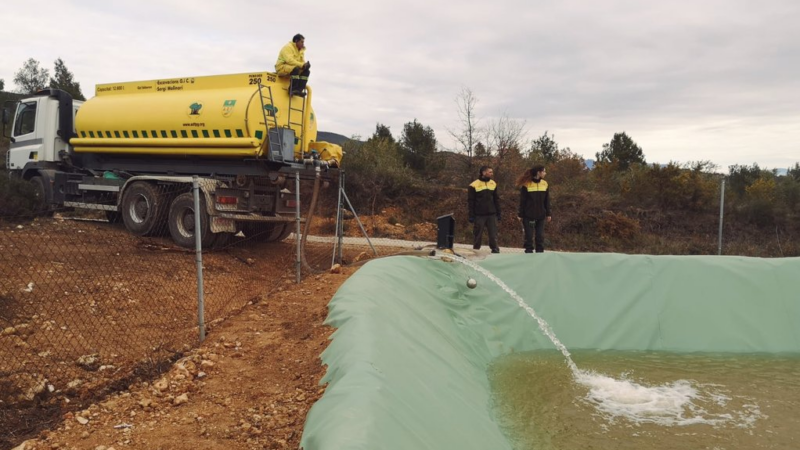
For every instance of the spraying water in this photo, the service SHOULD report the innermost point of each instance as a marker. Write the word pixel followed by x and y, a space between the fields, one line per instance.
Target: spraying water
pixel 669 404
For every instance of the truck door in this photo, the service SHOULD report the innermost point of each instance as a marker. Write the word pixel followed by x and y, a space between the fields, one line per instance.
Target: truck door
pixel 27 133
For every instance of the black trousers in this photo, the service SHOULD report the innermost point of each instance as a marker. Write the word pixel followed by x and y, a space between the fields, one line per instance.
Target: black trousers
pixel 489 223
pixel 299 79
pixel 531 225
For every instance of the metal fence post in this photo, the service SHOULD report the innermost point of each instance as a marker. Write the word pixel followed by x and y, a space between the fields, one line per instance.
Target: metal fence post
pixel 337 243
pixel 198 251
pixel 340 229
pixel 297 218
pixel 721 214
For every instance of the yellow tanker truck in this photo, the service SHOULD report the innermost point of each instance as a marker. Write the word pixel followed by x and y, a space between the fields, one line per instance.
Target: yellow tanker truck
pixel 133 149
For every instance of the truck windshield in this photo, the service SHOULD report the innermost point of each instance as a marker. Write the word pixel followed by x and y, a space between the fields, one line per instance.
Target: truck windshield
pixel 26 119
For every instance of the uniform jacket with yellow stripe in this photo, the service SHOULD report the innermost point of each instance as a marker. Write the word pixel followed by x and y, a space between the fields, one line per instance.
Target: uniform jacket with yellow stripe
pixel 289 59
pixel 483 200
pixel 534 200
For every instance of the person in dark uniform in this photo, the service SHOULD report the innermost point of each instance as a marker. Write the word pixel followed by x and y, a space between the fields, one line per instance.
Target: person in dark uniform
pixel 484 208
pixel 534 206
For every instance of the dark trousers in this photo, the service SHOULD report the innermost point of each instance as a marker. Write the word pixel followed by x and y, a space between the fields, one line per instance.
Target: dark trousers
pixel 490 224
pixel 531 225
pixel 299 79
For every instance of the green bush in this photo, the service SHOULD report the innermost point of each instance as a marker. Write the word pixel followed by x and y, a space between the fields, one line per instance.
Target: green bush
pixel 17 198
pixel 376 172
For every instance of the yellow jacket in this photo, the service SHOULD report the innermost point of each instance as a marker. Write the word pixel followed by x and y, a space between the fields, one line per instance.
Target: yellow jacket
pixel 289 58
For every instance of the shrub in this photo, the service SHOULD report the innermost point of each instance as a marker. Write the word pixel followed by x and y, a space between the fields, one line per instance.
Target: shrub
pixel 17 197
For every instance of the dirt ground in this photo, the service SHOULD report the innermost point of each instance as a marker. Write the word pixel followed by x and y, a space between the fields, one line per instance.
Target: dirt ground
pixel 249 385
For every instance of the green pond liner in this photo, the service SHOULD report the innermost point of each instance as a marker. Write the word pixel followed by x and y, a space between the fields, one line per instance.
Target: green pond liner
pixel 406 368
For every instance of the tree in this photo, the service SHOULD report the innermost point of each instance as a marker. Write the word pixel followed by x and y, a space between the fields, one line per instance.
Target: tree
pixel 31 78
pixel 794 172
pixel 418 147
pixel 740 177
pixel 545 148
pixel 504 136
pixel 622 150
pixel 2 84
pixel 64 80
pixel 466 136
pixel 382 132
pixel 376 171
pixel 481 151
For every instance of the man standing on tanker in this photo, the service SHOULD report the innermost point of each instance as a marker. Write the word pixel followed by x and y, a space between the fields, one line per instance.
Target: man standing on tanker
pixel 291 62
pixel 484 208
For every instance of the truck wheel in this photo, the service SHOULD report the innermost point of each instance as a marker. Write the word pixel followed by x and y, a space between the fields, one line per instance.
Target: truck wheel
pixel 285 231
pixel 143 209
pixel 268 232
pixel 221 240
pixel 181 222
pixel 42 196
pixel 113 216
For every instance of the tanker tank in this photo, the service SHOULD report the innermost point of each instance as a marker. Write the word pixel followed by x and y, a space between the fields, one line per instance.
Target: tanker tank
pixel 222 116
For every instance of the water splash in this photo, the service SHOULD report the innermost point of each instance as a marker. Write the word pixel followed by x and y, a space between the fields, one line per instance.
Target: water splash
pixel 677 403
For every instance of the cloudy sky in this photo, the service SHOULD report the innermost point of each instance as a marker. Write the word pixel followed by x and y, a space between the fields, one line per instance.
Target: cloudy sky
pixel 688 80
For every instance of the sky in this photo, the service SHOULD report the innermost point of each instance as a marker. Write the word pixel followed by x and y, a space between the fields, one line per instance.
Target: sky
pixel 688 80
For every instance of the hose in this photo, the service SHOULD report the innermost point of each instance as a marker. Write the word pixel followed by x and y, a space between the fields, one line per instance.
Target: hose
pixel 312 207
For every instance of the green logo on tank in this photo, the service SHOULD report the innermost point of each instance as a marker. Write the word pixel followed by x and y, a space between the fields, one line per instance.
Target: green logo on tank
pixel 194 108
pixel 227 107
pixel 271 110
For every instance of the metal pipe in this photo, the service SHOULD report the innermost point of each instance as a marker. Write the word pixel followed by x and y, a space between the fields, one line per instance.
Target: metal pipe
pixel 721 214
pixel 198 253
pixel 298 262
pixel 337 243
pixel 360 225
pixel 340 230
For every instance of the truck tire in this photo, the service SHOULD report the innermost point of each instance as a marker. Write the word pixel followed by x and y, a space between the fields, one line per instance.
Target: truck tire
pixel 222 240
pixel 285 231
pixel 268 232
pixel 113 217
pixel 42 195
pixel 143 209
pixel 182 225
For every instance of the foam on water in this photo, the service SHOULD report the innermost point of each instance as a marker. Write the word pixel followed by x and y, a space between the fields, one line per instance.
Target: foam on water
pixel 674 404
pixel 677 403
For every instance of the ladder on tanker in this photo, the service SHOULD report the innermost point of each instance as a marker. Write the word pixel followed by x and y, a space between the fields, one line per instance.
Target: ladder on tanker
pixel 274 140
pixel 300 125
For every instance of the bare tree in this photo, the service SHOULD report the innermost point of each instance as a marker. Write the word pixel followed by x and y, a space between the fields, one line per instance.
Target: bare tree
pixel 505 135
pixel 466 135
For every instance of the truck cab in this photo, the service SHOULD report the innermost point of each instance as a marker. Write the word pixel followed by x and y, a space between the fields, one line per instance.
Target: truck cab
pixel 34 135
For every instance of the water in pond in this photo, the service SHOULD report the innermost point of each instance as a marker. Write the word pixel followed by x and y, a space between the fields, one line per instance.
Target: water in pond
pixel 648 400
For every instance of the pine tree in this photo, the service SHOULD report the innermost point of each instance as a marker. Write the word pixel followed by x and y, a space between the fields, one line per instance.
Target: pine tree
pixel 65 81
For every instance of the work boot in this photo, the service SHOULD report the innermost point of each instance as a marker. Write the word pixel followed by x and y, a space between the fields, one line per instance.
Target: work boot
pixel 495 250
pixel 527 250
pixel 298 93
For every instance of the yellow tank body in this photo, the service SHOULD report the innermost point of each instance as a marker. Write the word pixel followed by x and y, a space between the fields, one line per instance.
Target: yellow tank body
pixel 215 116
